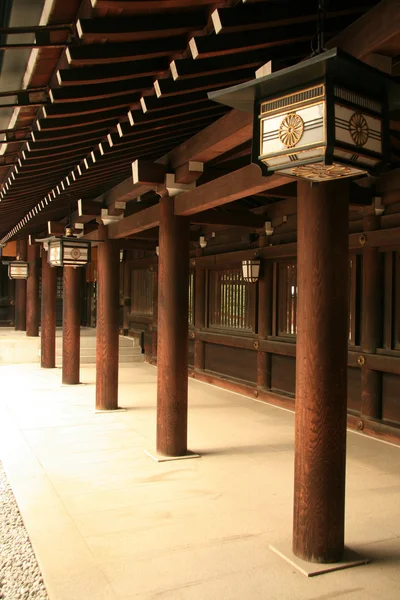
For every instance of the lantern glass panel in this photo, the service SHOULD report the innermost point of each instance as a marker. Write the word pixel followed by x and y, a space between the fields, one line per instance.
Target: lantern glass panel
pixel 251 270
pixel 75 253
pixel 54 254
pixel 18 270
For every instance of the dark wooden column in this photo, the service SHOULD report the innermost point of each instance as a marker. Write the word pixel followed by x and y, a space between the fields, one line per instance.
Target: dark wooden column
pixel 155 317
pixel 321 371
pixel 107 324
pixel 371 327
pixel 71 325
pixel 127 294
pixel 264 322
pixel 32 292
pixel 48 322
pixel 172 347
pixel 20 290
pixel 199 315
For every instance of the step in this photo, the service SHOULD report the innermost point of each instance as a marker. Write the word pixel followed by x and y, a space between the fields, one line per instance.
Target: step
pixel 91 360
pixel 90 342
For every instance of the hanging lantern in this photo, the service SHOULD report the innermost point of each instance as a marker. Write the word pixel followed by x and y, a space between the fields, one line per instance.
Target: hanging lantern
pixel 322 119
pixel 67 251
pixel 18 269
pixel 251 270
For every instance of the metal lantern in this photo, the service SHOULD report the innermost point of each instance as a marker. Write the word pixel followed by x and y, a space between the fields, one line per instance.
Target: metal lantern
pixel 18 269
pixel 251 270
pixel 68 251
pixel 325 118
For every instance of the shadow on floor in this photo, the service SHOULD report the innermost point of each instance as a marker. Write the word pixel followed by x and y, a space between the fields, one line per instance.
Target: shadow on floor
pixel 254 449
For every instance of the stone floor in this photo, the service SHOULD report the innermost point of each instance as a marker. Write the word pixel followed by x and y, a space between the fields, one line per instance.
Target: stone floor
pixel 107 522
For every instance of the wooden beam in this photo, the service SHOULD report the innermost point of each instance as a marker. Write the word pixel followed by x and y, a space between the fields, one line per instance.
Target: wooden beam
pixel 230 218
pixel 189 172
pixel 55 228
pixel 231 130
pixel 371 32
pixel 238 184
pixel 145 219
pixel 148 173
pixel 87 211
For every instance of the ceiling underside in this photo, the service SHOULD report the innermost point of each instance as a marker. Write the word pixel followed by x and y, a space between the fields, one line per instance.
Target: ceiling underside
pixel 132 82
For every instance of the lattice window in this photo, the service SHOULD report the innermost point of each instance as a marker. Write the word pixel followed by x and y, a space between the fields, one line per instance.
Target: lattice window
pixel 232 301
pixel 392 301
pixel 191 297
pixel 142 282
pixel 60 283
pixel 354 300
pixel 287 299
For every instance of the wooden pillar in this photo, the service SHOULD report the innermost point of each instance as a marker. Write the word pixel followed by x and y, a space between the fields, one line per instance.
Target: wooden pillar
pixel 71 325
pixel 321 371
pixel 127 295
pixel 371 327
pixel 199 315
pixel 172 346
pixel 107 324
pixel 20 290
pixel 264 324
pixel 48 322
pixel 32 292
pixel 155 317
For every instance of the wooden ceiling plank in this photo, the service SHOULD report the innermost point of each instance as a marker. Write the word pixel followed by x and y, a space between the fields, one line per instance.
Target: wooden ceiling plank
pixel 248 18
pixel 97 54
pixel 168 87
pixel 186 68
pixel 59 123
pixel 54 135
pixel 139 117
pixel 82 92
pixel 140 27
pixel 232 43
pixel 148 6
pixel 95 74
pixel 67 109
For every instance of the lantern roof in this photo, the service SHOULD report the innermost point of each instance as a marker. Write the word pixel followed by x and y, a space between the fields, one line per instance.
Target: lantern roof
pixel 335 64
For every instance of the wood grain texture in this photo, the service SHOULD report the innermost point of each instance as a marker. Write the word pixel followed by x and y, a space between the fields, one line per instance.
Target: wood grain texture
pixel 71 326
pixel 371 327
pixel 199 314
pixel 127 293
pixel 154 335
pixel 48 321
pixel 321 372
pixel 172 345
pixel 107 325
pixel 32 292
pixel 20 290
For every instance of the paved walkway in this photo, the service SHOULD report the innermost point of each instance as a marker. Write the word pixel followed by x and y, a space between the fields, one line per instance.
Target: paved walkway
pixel 107 522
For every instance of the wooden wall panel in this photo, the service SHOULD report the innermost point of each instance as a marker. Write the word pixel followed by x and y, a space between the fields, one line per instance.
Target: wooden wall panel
pixel 191 353
pixel 237 363
pixel 391 397
pixel 283 374
pixel 354 389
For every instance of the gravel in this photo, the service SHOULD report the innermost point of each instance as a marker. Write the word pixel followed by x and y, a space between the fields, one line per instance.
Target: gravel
pixel 20 577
